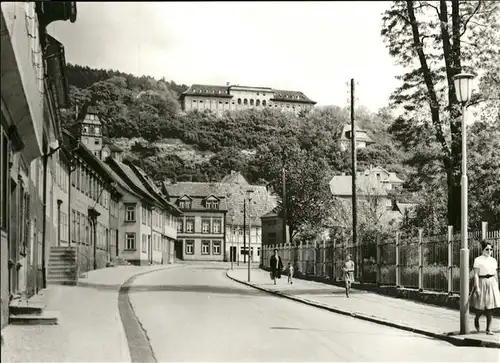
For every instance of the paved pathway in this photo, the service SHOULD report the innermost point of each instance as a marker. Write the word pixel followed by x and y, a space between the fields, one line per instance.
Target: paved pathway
pixel 391 311
pixel 89 328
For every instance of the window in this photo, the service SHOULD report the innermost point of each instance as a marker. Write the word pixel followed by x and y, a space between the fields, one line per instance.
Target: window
pixel 144 243
pixel 97 141
pixel 130 241
pixel 251 102
pixel 257 103
pixel 245 101
pixel 216 225
pixel 86 129
pixel 205 225
pixel 239 101
pixel 258 251
pixel 240 231
pixel 130 213
pixel 205 247
pixel 185 204
pixel 4 177
pixel 216 247
pixel 96 130
pixel 144 215
pixel 73 213
pixel 189 247
pixel 190 225
pixel 213 204
pixel 180 225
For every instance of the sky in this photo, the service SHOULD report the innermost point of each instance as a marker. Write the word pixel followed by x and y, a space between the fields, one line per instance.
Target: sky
pixel 313 47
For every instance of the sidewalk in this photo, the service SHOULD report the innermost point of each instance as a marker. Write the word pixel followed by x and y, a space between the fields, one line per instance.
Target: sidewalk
pixel 111 278
pixel 89 328
pixel 437 322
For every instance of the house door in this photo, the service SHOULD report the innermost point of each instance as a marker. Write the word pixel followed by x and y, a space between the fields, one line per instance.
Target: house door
pixel 232 254
pixel 178 250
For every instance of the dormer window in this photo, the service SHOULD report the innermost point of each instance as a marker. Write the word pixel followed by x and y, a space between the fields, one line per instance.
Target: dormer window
pixel 212 204
pixel 185 203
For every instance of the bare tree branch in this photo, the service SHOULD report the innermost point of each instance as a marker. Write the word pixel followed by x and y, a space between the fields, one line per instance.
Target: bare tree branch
pixel 479 3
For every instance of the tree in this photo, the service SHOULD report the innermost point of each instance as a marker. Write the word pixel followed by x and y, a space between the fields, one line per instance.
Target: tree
pixel 434 41
pixel 308 197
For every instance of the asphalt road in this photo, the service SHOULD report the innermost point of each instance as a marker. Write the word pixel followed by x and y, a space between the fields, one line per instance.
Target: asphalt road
pixel 196 314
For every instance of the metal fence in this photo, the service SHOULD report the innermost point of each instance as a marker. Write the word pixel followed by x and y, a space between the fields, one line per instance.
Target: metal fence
pixel 420 261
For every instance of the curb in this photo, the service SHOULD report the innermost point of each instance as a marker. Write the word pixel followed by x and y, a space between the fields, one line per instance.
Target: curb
pixel 137 339
pixel 117 287
pixel 455 340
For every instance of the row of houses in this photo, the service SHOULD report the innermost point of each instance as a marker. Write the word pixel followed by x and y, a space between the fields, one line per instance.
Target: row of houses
pixel 34 89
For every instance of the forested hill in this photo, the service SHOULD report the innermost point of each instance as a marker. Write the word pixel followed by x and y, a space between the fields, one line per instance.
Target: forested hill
pixel 198 146
pixel 84 77
pixel 143 107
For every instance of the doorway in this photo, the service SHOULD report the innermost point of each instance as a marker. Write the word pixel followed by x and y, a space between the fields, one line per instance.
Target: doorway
pixel 232 254
pixel 178 249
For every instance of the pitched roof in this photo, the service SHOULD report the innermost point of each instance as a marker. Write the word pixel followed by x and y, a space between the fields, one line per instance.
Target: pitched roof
pixel 152 189
pixel 261 202
pixel 291 96
pixel 207 90
pixel 132 180
pixel 119 180
pixel 362 136
pixel 341 186
pixel 193 189
pixel 111 146
pixel 235 177
pixel 231 197
pixel 224 91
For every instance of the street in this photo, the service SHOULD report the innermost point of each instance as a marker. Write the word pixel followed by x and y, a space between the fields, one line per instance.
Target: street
pixel 195 313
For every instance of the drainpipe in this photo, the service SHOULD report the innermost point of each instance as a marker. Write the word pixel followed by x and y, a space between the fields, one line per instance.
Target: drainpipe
pixel 59 202
pixel 45 159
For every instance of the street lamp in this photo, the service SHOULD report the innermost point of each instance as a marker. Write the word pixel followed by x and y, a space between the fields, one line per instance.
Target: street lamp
pixel 249 197
pixel 231 235
pixel 463 90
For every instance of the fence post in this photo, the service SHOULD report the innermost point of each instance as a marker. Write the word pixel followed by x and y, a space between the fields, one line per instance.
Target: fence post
pixel 398 267
pixel 379 255
pixel 324 257
pixel 484 230
pixel 315 246
pixel 450 259
pixel 420 261
pixel 300 258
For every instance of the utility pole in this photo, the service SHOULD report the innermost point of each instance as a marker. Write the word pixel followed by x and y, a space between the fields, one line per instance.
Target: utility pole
pixel 354 167
pixel 284 205
pixel 245 230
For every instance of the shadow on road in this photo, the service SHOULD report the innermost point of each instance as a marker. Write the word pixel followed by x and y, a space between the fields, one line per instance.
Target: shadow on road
pixel 208 289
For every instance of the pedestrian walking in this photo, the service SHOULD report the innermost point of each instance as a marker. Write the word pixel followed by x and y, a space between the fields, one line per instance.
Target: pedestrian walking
pixel 348 274
pixel 486 295
pixel 276 266
pixel 290 273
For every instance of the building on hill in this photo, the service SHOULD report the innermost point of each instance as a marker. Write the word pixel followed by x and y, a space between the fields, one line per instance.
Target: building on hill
pixel 362 138
pixel 219 99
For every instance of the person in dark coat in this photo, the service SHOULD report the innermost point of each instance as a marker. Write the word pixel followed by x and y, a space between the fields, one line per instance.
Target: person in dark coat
pixel 276 266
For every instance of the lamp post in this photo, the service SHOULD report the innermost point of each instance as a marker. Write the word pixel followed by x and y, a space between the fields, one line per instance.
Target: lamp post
pixel 463 90
pixel 231 235
pixel 249 197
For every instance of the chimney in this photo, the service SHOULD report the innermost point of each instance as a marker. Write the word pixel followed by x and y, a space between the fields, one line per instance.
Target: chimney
pixel 228 83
